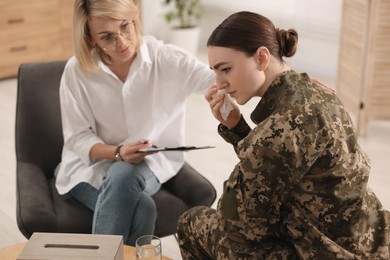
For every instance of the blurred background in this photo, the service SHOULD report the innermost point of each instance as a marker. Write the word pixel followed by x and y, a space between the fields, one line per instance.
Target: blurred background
pixel 339 43
pixel 317 23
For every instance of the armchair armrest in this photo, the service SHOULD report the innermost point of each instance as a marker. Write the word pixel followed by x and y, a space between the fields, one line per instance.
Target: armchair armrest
pixel 34 209
pixel 192 187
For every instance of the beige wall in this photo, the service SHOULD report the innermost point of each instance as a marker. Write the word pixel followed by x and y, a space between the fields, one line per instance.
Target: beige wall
pixel 317 22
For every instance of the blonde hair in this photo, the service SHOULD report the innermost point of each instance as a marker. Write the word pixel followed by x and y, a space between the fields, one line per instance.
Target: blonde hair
pixel 84 51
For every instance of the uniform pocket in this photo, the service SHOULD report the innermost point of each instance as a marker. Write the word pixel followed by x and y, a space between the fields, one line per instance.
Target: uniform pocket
pixel 229 204
pixel 231 199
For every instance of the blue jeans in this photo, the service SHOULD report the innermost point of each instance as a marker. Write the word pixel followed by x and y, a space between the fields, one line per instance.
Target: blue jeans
pixel 123 205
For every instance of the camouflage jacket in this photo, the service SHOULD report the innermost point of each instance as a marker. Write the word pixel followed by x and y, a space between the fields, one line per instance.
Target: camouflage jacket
pixel 302 178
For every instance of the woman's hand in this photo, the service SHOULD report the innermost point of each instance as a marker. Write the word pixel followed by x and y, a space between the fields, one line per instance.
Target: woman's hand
pixel 324 85
pixel 216 104
pixel 129 152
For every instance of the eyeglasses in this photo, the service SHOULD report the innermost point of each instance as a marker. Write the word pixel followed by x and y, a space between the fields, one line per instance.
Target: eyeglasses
pixel 108 41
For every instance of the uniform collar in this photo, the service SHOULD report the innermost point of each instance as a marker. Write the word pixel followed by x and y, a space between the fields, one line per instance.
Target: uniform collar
pixel 274 96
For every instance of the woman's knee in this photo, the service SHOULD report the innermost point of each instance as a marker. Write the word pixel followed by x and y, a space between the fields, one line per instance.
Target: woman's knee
pixel 148 204
pixel 122 173
pixel 187 219
pixel 146 209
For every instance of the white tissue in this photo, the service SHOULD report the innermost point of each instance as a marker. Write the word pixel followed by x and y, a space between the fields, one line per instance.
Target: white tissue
pixel 227 105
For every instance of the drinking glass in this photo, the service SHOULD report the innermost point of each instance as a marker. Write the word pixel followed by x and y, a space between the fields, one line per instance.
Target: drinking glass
pixel 148 248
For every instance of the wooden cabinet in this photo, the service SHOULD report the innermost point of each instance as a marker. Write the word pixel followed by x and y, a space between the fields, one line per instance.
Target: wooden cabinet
pixel 363 80
pixel 37 30
pixel 66 24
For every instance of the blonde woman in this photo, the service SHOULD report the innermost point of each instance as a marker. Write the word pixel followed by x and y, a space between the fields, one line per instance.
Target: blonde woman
pixel 122 92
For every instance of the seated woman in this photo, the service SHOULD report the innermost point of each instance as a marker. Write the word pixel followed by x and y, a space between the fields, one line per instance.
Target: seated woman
pixel 121 93
pixel 299 190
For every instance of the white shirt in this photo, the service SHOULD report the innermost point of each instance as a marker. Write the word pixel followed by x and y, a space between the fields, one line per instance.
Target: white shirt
pixel 150 104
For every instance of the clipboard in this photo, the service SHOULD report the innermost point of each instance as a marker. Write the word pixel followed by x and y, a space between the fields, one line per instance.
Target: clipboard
pixel 171 149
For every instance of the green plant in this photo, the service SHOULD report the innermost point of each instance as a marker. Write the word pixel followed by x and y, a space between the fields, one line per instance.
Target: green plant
pixel 186 12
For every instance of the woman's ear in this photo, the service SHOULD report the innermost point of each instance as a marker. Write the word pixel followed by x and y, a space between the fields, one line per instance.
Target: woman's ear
pixel 91 41
pixel 262 57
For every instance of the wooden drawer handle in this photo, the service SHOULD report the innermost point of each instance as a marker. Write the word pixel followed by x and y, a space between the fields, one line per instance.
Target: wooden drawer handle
pixel 18 48
pixel 15 20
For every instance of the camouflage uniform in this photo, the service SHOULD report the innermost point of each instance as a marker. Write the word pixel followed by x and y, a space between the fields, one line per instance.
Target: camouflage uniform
pixel 299 190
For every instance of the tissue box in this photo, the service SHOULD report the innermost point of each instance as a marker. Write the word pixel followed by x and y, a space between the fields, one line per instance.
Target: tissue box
pixel 72 246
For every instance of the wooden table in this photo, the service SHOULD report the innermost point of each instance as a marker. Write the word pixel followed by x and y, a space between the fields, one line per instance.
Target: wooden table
pixel 12 252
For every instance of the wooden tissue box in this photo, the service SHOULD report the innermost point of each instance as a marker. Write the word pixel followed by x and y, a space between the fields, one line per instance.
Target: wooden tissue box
pixel 72 246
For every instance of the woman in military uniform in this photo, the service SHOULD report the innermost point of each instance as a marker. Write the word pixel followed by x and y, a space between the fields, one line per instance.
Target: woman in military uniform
pixel 299 190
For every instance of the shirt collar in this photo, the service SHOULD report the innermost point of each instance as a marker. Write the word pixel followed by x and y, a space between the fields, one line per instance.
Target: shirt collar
pixel 143 53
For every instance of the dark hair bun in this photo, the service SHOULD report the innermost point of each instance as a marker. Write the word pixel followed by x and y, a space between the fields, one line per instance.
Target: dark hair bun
pixel 288 41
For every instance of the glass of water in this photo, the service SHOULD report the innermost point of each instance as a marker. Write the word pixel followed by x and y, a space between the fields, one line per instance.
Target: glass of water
pixel 148 248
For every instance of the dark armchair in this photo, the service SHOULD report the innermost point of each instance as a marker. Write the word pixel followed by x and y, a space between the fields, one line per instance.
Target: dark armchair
pixel 38 141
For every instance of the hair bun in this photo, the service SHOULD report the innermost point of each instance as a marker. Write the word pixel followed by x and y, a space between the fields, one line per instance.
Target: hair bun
pixel 288 41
